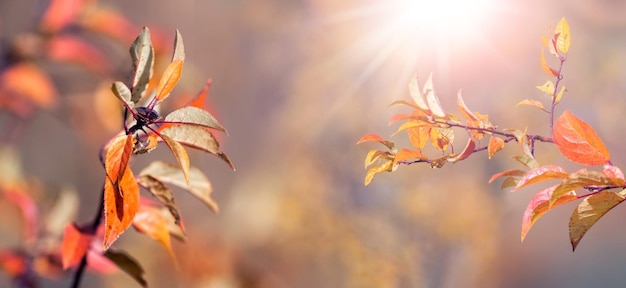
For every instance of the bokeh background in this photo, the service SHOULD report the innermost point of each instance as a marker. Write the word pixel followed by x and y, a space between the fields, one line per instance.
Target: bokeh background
pixel 297 83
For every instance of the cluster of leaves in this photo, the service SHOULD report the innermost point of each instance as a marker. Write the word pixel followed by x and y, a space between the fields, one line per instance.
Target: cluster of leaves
pixel 576 140
pixel 188 126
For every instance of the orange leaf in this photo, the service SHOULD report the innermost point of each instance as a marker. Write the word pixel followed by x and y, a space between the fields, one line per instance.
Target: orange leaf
pixel 441 137
pixel 511 172
pixel 546 68
pixel 27 81
pixel 539 205
pixel 373 155
pixel 121 191
pixel 589 211
pixel 121 201
pixel 61 13
pixel 399 117
pixel 583 178
pixel 109 22
pixel 200 99
pixel 76 50
pixel 469 149
pixel 406 154
pixel 169 79
pixel 577 140
pixel 539 174
pixel 376 138
pixel 76 242
pixel 495 144
pixel 150 221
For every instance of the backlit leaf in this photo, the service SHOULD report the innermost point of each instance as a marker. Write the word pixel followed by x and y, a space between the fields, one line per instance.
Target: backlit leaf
pixel 495 144
pixel 194 115
pixel 179 48
pixel 127 264
pixel 614 173
pixel 431 98
pixel 385 167
pixel 407 154
pixel 374 155
pixel 532 102
pixel 122 93
pixel 527 161
pixel 469 115
pixel 121 192
pixel 583 178
pixel 577 140
pixel 180 154
pixel 416 94
pixel 76 242
pixel 199 101
pixel 199 185
pixel 546 67
pixel 467 151
pixel 376 138
pixel 151 222
pixel 441 137
pixel 418 136
pixel 169 79
pixel 509 182
pixel 589 211
pixel 539 205
pixel 410 125
pixel 162 193
pixel 539 174
pixel 547 88
pixel 142 55
pixel 510 172
pixel 193 136
pixel 564 38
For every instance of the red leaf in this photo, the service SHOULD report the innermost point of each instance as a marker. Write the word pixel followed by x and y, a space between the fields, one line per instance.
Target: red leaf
pixel 469 149
pixel 540 204
pixel 76 242
pixel 539 174
pixel 577 140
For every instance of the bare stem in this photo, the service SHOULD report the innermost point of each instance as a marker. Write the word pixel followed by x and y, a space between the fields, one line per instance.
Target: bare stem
pixel 556 91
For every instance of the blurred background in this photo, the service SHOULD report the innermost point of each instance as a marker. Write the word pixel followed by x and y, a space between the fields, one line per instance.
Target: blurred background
pixel 296 84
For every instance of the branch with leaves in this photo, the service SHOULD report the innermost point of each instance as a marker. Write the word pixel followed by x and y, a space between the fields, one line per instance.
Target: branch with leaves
pixel 144 129
pixel 576 140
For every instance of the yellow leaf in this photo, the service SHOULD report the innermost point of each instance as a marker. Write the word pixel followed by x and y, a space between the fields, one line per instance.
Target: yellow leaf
pixel 495 144
pixel 564 38
pixel 589 211
pixel 385 167
pixel 532 102
pixel 560 94
pixel 169 79
pixel 546 67
pixel 547 88
pixel 441 137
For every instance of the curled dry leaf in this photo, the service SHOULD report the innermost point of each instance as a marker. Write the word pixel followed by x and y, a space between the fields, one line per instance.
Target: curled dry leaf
pixel 180 154
pixel 198 185
pixel 466 112
pixel 467 151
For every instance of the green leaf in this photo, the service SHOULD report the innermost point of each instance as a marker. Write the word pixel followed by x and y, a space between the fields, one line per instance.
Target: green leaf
pixel 589 211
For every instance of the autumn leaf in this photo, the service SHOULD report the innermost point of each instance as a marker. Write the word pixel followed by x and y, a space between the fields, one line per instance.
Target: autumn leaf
pixel 179 153
pixel 581 179
pixel 385 167
pixel 376 138
pixel 495 144
pixel 615 173
pixel 539 205
pixel 27 81
pixel 431 98
pixel 564 38
pixel 121 91
pixel 539 174
pixel 560 95
pixel 199 185
pixel 162 193
pixel 547 88
pixel 527 160
pixel 127 264
pixel 61 13
pixel 151 222
pixel 200 99
pixel 121 192
pixel 72 49
pixel 469 115
pixel 416 95
pixel 194 116
pixel 467 151
pixel 374 155
pixel 179 48
pixel 169 79
pixel 589 211
pixel 192 136
pixel 546 68
pixel 76 242
pixel 142 55
pixel 441 137
pixel 406 154
pixel 577 140
pixel 510 172
pixel 532 102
